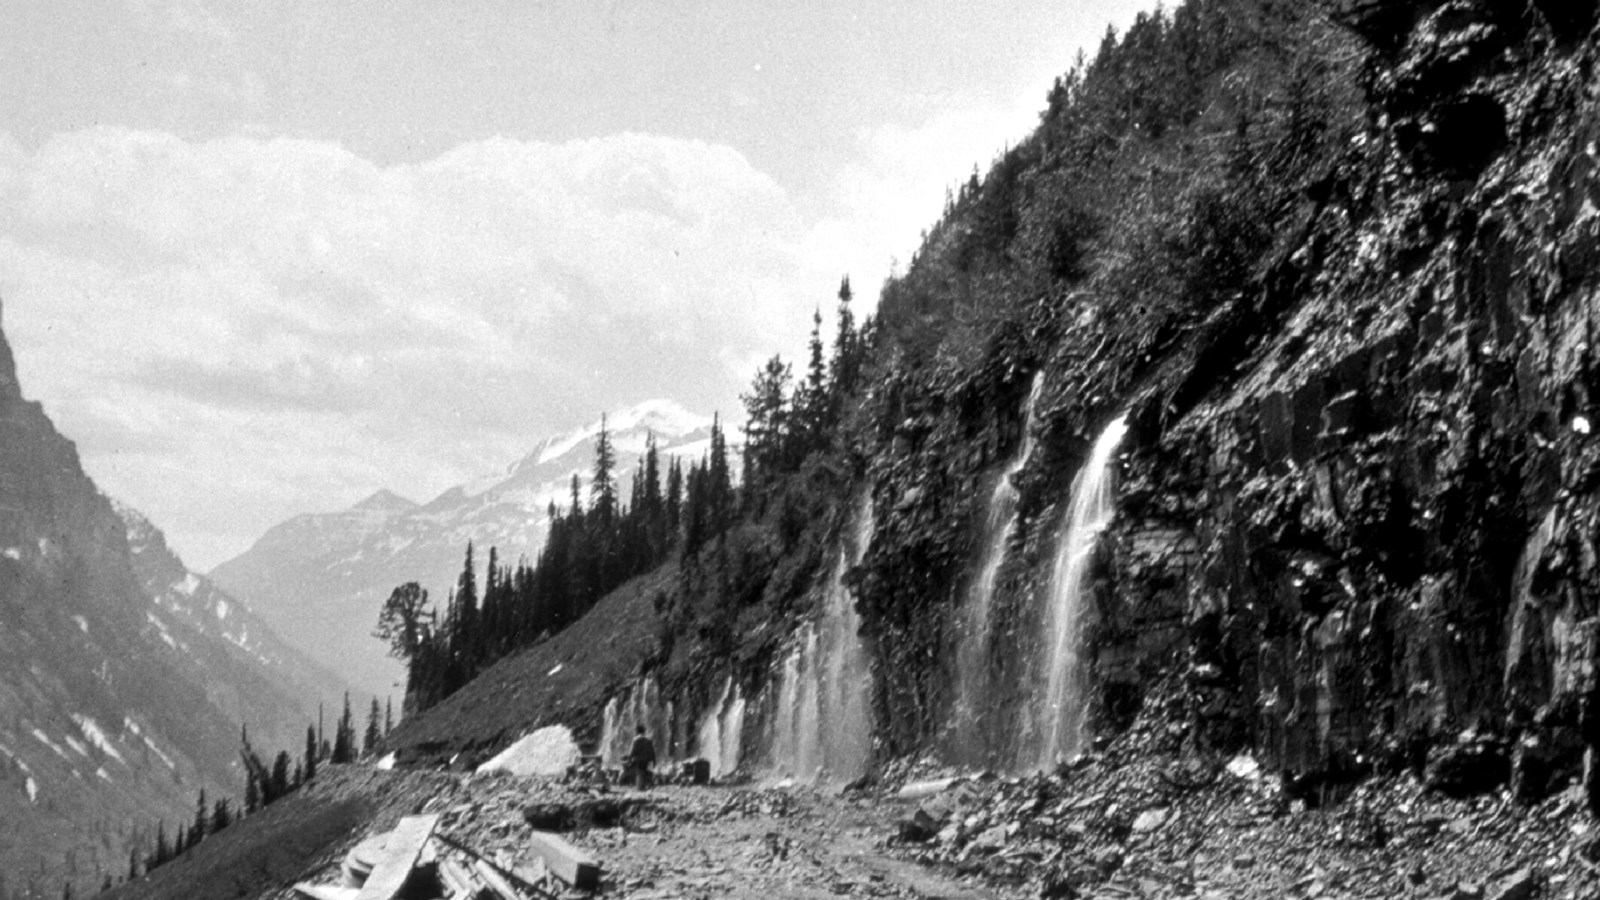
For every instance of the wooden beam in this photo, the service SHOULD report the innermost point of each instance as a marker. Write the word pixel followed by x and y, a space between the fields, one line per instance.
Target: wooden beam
pixel 457 878
pixel 400 854
pixel 496 882
pixel 565 861
pixel 326 891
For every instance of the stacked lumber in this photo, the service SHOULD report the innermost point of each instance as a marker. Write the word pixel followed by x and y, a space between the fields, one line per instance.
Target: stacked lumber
pixel 416 861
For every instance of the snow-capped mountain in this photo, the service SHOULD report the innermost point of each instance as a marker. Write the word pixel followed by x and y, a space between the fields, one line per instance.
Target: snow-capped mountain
pixel 319 579
pixel 124 678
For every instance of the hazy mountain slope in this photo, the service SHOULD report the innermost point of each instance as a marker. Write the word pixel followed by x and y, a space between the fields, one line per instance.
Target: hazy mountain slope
pixel 319 579
pixel 250 673
pixel 116 706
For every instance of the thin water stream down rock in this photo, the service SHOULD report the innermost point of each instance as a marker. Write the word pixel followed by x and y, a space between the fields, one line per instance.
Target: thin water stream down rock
pixel 1060 714
pixel 975 736
pixel 821 725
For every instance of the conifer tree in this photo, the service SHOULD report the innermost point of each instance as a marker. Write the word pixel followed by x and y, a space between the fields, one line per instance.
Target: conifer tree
pixel 373 735
pixel 163 850
pixel 695 509
pixel 197 831
pixel 343 735
pixel 221 815
pixel 674 497
pixel 603 489
pixel 813 406
pixel 403 620
pixel 651 496
pixel 465 636
pixel 388 715
pixel 719 477
pixel 280 777
pixel 846 356
pixel 309 765
pixel 767 427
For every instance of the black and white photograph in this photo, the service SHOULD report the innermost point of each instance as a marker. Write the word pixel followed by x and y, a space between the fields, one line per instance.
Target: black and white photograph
pixel 678 449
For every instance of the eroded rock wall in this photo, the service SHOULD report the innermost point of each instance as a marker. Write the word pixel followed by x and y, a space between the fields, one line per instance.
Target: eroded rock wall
pixel 1380 529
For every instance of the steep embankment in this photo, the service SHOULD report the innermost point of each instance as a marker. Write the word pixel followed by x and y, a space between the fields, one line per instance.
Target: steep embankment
pixel 564 679
pixel 122 684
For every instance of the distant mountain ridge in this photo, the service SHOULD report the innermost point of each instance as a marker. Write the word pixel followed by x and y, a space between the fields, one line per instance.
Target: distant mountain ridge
pixel 319 579
pixel 124 677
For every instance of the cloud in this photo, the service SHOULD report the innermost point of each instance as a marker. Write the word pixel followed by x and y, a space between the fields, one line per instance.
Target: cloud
pixel 309 385
pixel 894 187
pixel 254 294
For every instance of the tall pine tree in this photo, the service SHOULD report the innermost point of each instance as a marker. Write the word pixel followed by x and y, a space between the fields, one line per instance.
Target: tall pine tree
pixel 374 732
pixel 603 489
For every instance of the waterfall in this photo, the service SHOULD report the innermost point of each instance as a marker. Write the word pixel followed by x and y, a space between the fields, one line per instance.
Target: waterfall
pixel 786 740
pixel 973 740
pixel 608 732
pixel 709 736
pixel 821 728
pixel 1091 510
pixel 732 719
pixel 721 730
pixel 641 705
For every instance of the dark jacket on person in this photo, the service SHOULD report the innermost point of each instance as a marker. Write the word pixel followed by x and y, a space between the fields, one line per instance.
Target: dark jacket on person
pixel 643 753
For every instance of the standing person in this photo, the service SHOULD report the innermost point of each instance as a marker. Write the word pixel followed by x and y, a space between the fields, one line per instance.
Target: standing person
pixel 642 757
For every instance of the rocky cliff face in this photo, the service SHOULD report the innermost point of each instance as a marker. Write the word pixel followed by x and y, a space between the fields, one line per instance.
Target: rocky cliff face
pixel 1358 500
pixel 1394 496
pixel 119 702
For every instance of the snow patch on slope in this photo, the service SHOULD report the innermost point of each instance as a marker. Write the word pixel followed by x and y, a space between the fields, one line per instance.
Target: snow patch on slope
pixel 97 736
pixel 45 740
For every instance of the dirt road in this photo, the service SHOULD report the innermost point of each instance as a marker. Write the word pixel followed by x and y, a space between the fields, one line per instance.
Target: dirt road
pixel 715 842
pixel 671 841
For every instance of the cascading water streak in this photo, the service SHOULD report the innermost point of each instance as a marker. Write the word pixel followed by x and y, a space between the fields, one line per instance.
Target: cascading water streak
pixel 1092 507
pixel 721 731
pixel 821 727
pixel 972 648
pixel 641 705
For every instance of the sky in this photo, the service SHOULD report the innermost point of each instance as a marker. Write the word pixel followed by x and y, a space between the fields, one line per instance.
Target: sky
pixel 263 259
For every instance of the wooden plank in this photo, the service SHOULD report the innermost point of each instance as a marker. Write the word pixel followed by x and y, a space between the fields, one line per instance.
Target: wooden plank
pixel 457 878
pixel 400 854
pixel 565 861
pixel 496 882
pixel 326 891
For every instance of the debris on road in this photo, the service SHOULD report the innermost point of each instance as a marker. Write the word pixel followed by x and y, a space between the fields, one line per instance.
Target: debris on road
pixel 417 862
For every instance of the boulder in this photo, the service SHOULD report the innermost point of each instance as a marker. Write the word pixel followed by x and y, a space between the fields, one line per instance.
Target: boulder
pixel 919 827
pixel 1151 820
